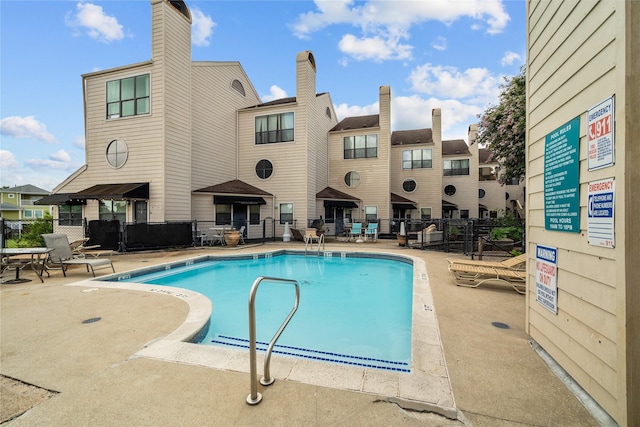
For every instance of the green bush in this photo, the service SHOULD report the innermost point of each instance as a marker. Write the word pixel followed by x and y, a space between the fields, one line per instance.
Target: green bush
pixel 513 233
pixel 32 234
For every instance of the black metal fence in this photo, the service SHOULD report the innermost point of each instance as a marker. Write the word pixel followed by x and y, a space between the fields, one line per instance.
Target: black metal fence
pixel 459 235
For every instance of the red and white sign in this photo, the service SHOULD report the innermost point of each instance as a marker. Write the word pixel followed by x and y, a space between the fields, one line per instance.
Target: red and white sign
pixel 601 135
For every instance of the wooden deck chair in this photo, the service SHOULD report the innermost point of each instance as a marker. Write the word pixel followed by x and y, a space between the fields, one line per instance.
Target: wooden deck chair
pixel 62 255
pixel 473 276
pixel 514 263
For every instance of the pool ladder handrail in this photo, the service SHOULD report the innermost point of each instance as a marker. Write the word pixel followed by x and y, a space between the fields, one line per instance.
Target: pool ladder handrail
pixel 254 397
pixel 308 241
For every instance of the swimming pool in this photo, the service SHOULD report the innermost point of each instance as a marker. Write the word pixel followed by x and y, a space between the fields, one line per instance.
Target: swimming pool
pixel 425 387
pixel 353 309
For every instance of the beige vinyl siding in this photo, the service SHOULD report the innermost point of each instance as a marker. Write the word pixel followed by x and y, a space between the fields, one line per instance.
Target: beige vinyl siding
pixel 176 61
pixel 466 196
pixel 142 134
pixel 288 181
pixel 214 121
pixel 577 59
pixel 494 198
pixel 428 193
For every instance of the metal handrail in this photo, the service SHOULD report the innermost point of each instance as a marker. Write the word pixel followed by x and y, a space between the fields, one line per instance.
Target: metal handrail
pixel 254 398
pixel 308 240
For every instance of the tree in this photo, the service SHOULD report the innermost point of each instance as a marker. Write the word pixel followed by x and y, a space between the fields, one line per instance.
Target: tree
pixel 502 128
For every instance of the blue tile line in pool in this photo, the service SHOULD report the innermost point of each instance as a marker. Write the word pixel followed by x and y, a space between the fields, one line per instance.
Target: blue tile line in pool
pixel 307 353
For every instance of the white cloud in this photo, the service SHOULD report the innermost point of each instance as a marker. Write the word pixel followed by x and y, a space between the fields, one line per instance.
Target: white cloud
pixel 476 85
pixel 79 142
pixel 275 92
pixel 99 25
pixel 25 127
pixel 201 28
pixel 440 43
pixel 384 23
pixel 345 110
pixel 374 48
pixel 414 112
pixel 8 160
pixel 509 58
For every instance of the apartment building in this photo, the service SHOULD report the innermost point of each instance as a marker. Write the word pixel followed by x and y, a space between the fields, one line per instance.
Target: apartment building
pixel 172 139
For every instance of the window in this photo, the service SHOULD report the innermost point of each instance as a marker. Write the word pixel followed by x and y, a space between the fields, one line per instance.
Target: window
pixel 237 85
pixel 507 196
pixel 70 214
pixel 254 214
pixel 113 209
pixel 425 213
pixel 328 112
pixel 464 213
pixel 409 185
pixel 329 215
pixel 27 213
pixel 11 195
pixel 264 169
pixel 417 159
pixel 450 190
pixel 38 213
pixel 487 174
pixel 223 214
pixel 352 179
pixel 371 213
pixel 513 181
pixel 117 152
pixel 274 128
pixel 360 146
pixel 128 97
pixel 286 213
pixel 456 167
pixel 481 193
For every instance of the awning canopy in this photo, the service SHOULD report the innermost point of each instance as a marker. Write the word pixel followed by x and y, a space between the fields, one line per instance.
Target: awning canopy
pixel 238 200
pixel 340 204
pixel 115 192
pixel 448 206
pixel 403 206
pixel 60 199
pixel 399 202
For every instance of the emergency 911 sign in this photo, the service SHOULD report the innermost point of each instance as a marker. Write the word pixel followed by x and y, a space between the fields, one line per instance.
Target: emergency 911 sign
pixel 600 135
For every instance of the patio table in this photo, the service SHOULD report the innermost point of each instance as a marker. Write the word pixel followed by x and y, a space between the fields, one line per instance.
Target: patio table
pixel 19 258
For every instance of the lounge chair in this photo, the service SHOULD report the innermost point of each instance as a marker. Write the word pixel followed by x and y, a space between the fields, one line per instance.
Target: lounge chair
pixel 514 263
pixel 61 255
pixel 371 230
pixel 473 276
pixel 356 230
pixel 297 234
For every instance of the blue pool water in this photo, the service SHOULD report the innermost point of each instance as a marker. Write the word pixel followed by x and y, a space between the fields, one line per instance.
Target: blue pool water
pixel 352 310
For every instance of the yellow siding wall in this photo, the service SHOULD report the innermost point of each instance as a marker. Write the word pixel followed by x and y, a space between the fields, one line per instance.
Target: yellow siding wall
pixel 576 55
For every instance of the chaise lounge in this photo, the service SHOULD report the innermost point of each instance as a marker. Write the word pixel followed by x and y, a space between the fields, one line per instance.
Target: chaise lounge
pixel 62 255
pixel 473 276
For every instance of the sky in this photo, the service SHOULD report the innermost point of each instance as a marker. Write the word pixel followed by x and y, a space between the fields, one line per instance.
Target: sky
pixel 447 54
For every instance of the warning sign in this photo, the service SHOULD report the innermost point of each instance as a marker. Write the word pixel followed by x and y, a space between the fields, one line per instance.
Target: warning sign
pixel 547 277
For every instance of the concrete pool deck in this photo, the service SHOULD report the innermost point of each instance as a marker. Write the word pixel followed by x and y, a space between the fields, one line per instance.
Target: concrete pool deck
pixel 102 375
